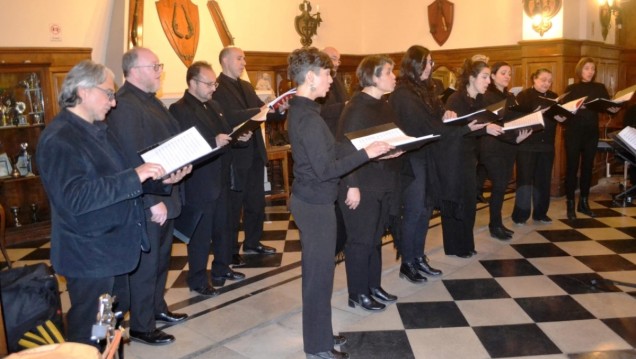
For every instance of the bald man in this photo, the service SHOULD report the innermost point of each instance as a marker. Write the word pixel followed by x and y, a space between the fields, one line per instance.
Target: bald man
pixel 239 102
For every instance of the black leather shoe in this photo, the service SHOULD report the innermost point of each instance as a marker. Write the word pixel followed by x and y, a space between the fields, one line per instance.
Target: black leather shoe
pixel 339 340
pixel 259 249
pixel 544 220
pixel 410 273
pixel 156 337
pixel 170 317
pixel 237 260
pixel 509 231
pixel 366 302
pixel 332 354
pixel 465 255
pixel 584 207
pixel 206 291
pixel 421 264
pixel 499 233
pixel 231 275
pixel 380 294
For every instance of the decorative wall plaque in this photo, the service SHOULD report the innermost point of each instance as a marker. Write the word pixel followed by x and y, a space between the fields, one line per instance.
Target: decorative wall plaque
pixel 180 22
pixel 440 20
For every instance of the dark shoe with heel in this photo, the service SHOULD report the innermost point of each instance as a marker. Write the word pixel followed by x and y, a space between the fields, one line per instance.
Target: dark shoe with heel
pixel 410 273
pixel 421 264
pixel 366 302
pixel 237 261
pixel 584 207
pixel 380 294
pixel 219 281
pixel 207 291
pixel 499 233
pixel 570 209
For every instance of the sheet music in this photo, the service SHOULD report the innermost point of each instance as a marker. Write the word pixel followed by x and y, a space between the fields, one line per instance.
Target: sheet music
pixel 275 101
pixel 574 105
pixel 394 137
pixel 625 94
pixel 535 118
pixel 179 151
pixel 628 135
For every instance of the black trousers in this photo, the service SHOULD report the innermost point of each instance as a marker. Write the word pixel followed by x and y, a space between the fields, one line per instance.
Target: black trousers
pixel 317 226
pixel 214 226
pixel 499 167
pixel 84 295
pixel 251 203
pixel 417 214
pixel 580 147
pixel 534 175
pixel 148 280
pixel 365 227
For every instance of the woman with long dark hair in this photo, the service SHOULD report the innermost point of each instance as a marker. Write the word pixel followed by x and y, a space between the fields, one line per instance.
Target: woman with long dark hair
pixel 457 162
pixel 496 153
pixel 419 112
pixel 314 192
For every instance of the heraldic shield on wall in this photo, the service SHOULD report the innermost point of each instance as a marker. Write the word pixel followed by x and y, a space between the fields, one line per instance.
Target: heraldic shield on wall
pixel 180 22
pixel 440 20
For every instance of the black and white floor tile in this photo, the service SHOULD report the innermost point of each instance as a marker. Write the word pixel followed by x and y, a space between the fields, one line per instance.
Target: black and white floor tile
pixel 563 290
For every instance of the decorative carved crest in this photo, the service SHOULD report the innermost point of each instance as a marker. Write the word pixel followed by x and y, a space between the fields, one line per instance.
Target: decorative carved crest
pixel 180 22
pixel 440 20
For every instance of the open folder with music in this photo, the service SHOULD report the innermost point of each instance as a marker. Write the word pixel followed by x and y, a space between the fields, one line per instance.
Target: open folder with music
pixel 488 114
pixel 566 110
pixel 533 121
pixel 178 151
pixel 390 134
pixel 604 105
pixel 626 138
pixel 250 125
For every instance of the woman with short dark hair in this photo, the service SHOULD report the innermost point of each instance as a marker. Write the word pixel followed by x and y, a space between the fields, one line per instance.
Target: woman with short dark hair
pixel 314 192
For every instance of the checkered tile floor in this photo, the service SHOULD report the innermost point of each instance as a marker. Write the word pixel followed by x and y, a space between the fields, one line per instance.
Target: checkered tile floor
pixel 564 290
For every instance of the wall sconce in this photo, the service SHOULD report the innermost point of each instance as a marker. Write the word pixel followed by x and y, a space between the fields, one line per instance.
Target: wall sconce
pixel 541 12
pixel 607 8
pixel 307 24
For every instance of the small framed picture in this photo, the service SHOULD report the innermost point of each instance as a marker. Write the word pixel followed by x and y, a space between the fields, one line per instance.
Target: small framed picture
pixel 5 165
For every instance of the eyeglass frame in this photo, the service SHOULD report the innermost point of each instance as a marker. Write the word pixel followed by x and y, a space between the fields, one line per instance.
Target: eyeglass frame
pixel 110 93
pixel 210 84
pixel 155 67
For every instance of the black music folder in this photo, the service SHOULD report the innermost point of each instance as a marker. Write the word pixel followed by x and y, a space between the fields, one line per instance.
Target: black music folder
pixel 603 105
pixel 492 113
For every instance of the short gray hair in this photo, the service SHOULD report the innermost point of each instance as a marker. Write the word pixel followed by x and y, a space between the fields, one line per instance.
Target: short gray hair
pixel 85 74
pixel 129 60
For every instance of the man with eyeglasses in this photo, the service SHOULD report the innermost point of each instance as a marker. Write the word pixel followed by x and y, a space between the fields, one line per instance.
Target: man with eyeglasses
pixel 208 188
pixel 95 193
pixel 141 120
pixel 239 102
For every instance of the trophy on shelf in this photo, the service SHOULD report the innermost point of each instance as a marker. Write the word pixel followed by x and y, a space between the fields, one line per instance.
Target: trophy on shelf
pixel 33 93
pixel 24 161
pixel 34 213
pixel 15 210
pixel 20 119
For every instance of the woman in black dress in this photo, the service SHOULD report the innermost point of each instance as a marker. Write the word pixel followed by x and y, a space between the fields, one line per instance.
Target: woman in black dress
pixel 419 113
pixel 497 154
pixel 314 192
pixel 535 156
pixel 367 193
pixel 581 137
pixel 457 162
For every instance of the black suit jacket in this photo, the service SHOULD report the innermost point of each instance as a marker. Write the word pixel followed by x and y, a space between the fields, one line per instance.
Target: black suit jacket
pixel 238 109
pixel 140 120
pixel 96 212
pixel 210 177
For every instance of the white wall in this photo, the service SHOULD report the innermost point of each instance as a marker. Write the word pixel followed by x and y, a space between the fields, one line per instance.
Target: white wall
pixel 353 26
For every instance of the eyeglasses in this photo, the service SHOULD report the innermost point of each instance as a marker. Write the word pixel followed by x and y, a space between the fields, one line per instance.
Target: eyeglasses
pixel 209 84
pixel 155 67
pixel 109 93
